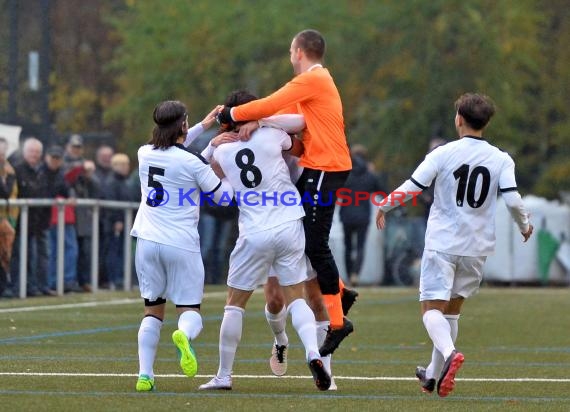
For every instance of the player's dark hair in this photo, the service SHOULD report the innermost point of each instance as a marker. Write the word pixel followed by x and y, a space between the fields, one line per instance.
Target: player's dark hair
pixel 236 98
pixel 476 109
pixel 312 43
pixel 168 117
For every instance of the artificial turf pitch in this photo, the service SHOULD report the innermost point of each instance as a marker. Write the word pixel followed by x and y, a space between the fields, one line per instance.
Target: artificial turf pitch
pixel 79 353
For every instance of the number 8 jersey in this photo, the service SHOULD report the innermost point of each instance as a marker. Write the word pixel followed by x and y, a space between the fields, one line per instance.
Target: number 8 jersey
pixel 260 177
pixel 469 173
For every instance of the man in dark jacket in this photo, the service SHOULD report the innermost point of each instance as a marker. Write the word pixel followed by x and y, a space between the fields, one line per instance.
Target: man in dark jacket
pixel 31 184
pixel 355 215
pixel 116 188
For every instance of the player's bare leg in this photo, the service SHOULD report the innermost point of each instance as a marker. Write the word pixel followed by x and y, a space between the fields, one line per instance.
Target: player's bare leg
pixel 276 315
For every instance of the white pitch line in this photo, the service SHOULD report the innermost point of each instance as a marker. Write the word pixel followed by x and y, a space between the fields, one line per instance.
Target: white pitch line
pixel 92 304
pixel 352 378
pixel 70 305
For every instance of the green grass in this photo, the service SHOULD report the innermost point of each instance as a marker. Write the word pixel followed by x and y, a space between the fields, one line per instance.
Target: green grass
pixel 47 352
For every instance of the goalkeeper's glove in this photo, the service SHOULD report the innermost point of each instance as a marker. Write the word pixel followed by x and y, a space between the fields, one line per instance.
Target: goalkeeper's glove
pixel 224 119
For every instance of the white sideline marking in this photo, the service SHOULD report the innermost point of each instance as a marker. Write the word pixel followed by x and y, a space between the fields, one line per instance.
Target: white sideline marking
pixel 70 305
pixel 351 378
pixel 92 304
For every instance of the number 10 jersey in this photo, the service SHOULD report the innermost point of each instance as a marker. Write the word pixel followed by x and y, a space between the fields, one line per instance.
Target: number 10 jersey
pixel 469 173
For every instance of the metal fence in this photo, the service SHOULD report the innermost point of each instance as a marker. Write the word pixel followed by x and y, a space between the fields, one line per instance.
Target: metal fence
pixel 96 204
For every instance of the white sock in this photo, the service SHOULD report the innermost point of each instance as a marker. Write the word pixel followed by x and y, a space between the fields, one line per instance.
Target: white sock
pixel 190 322
pixel 230 336
pixel 277 323
pixel 303 320
pixel 436 365
pixel 454 324
pixel 322 328
pixel 327 363
pixel 439 331
pixel 148 337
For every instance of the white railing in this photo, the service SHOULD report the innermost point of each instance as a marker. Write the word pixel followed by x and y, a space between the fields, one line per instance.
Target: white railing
pixel 96 204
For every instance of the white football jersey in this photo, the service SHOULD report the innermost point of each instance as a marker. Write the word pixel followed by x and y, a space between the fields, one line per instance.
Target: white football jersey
pixel 260 177
pixel 171 183
pixel 470 173
pixel 292 162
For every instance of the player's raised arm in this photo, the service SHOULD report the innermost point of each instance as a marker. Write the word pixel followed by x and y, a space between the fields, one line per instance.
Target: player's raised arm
pixel 420 180
pixel 225 137
pixel 201 127
pixel 290 123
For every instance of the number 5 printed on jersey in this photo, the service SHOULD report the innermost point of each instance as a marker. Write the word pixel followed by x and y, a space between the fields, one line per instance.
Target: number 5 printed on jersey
pixel 158 191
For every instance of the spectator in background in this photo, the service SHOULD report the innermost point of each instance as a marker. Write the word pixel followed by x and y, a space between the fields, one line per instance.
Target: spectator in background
pixel 28 175
pixel 103 170
pixel 355 216
pixel 103 156
pixel 116 188
pixel 80 176
pixel 8 216
pixel 58 189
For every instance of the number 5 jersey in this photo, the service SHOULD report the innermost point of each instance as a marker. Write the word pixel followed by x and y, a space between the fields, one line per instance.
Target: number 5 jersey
pixel 174 182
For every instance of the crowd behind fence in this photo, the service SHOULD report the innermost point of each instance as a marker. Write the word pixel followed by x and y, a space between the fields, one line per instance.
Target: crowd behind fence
pixel 373 270
pixel 96 204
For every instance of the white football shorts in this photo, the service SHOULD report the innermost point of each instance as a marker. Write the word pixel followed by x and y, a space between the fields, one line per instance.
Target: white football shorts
pixel 311 273
pixel 169 272
pixel 280 250
pixel 444 276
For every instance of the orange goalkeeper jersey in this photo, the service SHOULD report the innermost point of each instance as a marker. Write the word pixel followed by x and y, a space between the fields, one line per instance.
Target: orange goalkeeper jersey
pixel 314 95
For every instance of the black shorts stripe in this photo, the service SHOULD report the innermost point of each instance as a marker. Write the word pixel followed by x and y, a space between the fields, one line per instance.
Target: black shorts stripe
pixel 158 301
pixel 195 306
pixel 414 181
pixel 508 189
